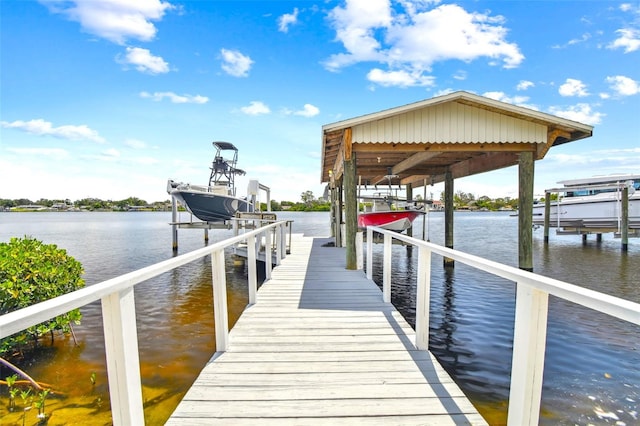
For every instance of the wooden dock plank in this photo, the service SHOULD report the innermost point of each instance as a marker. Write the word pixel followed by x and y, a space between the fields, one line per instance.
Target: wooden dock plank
pixel 320 347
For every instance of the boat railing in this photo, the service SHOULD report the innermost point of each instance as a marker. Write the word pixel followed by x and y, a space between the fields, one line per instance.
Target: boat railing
pixel 119 313
pixel 530 327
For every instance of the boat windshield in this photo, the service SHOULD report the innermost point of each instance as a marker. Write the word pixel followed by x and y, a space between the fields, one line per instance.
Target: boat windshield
pixel 584 192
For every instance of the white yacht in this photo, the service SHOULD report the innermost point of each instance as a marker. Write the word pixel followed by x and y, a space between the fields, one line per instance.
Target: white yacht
pixel 594 202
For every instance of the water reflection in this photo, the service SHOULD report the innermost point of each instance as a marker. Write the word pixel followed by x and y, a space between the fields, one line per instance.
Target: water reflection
pixel 592 359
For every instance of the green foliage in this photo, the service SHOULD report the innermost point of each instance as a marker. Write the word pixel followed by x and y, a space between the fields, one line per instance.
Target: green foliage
pixel 32 272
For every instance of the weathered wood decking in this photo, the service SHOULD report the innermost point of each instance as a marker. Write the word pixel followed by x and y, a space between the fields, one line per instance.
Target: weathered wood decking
pixel 320 347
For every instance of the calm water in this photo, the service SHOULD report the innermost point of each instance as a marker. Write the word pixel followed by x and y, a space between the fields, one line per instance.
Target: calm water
pixel 591 375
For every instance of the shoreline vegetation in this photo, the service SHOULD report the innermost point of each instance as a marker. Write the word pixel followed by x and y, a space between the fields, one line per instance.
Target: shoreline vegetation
pixel 308 202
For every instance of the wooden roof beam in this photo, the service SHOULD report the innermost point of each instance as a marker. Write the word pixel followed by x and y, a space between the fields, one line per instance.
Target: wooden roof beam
pixel 552 135
pixel 413 161
pixel 484 163
pixel 443 147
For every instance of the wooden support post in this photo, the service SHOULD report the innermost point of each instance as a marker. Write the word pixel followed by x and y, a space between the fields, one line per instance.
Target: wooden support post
pixel 409 190
pixel 268 266
pixel 174 221
pixel 369 253
pixel 386 268
pixel 123 364
pixel 624 232
pixel 334 212
pixel 547 216
pixel 338 215
pixel 359 251
pixel 527 365
pixel 252 269
pixel 220 312
pixel 525 211
pixel 422 299
pixel 206 235
pixel 584 238
pixel 448 215
pixel 351 211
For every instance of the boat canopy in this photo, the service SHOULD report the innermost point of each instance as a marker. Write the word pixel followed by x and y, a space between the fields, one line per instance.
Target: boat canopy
pixel 224 146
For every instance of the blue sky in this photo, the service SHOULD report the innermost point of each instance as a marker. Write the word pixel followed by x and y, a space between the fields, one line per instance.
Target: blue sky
pixel 110 98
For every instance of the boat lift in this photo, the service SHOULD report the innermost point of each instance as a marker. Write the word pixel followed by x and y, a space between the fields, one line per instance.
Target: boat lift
pixel 242 220
pixel 621 226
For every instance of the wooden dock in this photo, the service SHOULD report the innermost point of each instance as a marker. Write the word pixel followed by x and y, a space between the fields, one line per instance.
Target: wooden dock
pixel 321 347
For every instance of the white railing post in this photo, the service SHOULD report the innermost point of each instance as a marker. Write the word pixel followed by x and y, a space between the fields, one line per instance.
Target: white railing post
pixel 252 270
pixel 267 254
pixel 386 269
pixel 369 253
pixel 123 364
pixel 359 258
pixel 283 239
pixel 221 317
pixel 527 366
pixel 423 298
pixel 278 238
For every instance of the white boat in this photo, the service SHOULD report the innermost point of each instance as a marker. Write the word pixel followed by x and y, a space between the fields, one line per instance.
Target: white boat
pixel 216 201
pixel 592 203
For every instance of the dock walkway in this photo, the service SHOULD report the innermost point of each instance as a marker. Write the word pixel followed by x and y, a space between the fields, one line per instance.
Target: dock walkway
pixel 321 347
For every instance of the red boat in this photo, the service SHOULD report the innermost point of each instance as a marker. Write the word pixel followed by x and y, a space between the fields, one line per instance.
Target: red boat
pixel 380 214
pixel 395 220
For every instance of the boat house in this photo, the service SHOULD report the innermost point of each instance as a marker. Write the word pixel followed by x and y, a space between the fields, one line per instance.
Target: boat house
pixel 438 140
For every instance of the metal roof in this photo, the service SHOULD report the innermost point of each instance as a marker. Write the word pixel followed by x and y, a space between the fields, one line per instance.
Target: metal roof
pixel 224 146
pixel 460 132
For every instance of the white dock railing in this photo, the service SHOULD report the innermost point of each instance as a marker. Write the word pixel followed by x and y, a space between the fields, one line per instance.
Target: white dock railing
pixel 530 328
pixel 119 314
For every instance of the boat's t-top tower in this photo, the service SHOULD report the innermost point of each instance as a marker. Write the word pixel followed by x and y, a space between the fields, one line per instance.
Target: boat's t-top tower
pixel 223 170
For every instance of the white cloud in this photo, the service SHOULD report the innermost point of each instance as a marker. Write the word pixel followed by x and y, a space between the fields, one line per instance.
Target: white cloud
pixel 628 39
pixel 355 26
pixel 235 63
pixel 585 37
pixel 45 128
pixel 135 144
pixel 256 108
pixel 114 20
pixel 524 85
pixel 414 40
pixel 176 99
pixel 308 111
pixel 144 61
pixel 581 113
pixel 56 154
pixel 515 100
pixel 460 75
pixel 286 20
pixel 573 87
pixel 399 78
pixel 623 86
pixel 111 153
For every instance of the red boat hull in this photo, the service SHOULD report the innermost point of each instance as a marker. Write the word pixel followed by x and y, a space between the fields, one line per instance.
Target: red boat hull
pixel 396 220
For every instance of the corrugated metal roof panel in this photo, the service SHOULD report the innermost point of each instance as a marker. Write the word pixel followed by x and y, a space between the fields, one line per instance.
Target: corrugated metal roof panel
pixel 450 123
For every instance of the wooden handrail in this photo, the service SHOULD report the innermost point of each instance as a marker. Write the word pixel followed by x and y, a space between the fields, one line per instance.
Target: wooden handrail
pixel 530 327
pixel 119 315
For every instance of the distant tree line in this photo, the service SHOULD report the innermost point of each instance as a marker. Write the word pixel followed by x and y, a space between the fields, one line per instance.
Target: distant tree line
pixel 466 200
pixel 93 204
pixel 308 202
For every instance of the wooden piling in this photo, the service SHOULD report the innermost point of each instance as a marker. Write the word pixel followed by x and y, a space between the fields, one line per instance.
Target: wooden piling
pixel 448 215
pixel 174 222
pixel 624 225
pixel 525 211
pixel 409 190
pixel 351 212
pixel 547 216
